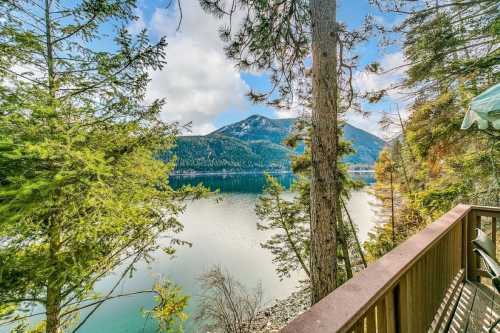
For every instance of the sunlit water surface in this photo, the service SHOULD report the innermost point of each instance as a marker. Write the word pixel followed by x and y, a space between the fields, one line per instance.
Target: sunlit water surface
pixel 222 233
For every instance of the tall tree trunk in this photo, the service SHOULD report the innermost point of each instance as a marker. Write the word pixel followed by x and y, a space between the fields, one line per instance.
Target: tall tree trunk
pixel 50 51
pixel 358 244
pixel 289 238
pixel 53 307
pixel 342 232
pixel 392 210
pixel 53 297
pixel 324 149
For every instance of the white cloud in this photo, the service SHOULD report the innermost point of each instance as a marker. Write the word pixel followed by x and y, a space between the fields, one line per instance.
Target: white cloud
pixel 198 82
pixel 367 123
pixel 282 114
pixel 392 73
pixel 293 112
pixel 137 25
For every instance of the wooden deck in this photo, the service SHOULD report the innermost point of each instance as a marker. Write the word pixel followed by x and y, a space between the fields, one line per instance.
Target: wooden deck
pixel 433 282
pixel 476 311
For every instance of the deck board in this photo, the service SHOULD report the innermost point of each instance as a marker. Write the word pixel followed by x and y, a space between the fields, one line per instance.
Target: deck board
pixel 477 309
pixel 496 314
pixel 461 315
pixel 480 315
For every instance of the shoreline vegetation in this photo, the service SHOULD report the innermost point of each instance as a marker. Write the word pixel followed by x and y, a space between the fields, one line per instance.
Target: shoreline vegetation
pixel 236 173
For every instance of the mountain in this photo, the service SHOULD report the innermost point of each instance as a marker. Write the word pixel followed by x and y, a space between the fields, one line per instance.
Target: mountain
pixel 255 145
pixel 259 128
pixel 220 153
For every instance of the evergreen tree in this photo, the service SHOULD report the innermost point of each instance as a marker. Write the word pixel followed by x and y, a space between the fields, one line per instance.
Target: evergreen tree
pixel 277 36
pixel 451 49
pixel 81 192
pixel 290 217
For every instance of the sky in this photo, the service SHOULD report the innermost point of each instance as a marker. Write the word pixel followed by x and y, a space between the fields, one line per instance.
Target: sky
pixel 203 87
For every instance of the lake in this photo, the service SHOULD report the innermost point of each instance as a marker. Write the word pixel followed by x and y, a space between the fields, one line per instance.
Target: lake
pixel 223 233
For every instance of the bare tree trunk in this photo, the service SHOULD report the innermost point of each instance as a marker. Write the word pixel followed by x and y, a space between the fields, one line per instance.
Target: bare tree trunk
pixel 358 244
pixel 289 238
pixel 392 210
pixel 324 149
pixel 342 232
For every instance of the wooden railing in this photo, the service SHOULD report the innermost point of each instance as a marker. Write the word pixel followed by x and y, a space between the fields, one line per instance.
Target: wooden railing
pixel 408 289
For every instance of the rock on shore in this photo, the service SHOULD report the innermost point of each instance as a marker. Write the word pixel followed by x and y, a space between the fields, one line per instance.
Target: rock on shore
pixel 275 317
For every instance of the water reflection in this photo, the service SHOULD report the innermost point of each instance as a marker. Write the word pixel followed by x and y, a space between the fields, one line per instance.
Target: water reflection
pixel 244 183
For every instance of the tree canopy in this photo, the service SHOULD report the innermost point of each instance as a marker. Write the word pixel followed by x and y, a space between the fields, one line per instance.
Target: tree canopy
pixel 452 53
pixel 81 190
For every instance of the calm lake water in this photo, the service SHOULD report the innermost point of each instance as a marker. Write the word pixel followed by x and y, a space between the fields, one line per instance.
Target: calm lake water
pixel 223 233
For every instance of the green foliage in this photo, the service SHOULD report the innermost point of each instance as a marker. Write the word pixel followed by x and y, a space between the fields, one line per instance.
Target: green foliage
pixel 219 153
pixel 452 55
pixel 288 214
pixel 453 42
pixel 81 192
pixel 290 220
pixel 169 308
pixel 379 241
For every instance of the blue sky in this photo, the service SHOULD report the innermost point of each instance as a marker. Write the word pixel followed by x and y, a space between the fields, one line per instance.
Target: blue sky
pixel 203 87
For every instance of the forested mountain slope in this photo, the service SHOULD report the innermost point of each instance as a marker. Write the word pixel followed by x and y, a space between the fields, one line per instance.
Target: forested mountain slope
pixel 256 144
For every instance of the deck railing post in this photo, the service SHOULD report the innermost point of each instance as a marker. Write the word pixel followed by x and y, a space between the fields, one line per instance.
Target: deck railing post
pixel 472 262
pixel 494 233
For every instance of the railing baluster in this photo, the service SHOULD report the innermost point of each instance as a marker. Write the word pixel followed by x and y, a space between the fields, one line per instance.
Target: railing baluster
pixel 360 327
pixel 471 258
pixel 381 316
pixel 417 295
pixel 370 321
pixel 390 312
pixel 403 304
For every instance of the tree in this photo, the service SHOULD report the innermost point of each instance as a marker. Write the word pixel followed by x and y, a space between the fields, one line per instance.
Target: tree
pixel 81 190
pixel 324 151
pixel 290 220
pixel 226 305
pixel 385 173
pixel 395 209
pixel 302 168
pixel 451 51
pixel 277 37
pixel 445 42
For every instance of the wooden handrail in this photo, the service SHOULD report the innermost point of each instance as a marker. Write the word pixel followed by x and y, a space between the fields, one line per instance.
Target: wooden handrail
pixel 401 291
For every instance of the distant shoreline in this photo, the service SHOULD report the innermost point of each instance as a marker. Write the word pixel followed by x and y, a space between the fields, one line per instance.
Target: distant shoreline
pixel 235 173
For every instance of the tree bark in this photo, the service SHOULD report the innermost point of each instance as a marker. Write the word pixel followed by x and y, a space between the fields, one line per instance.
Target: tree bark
pixel 53 308
pixel 324 149
pixel 358 244
pixel 343 241
pixel 392 209
pixel 53 297
pixel 289 238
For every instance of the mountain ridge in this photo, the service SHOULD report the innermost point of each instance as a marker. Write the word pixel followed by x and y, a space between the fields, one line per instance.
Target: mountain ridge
pixel 255 144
